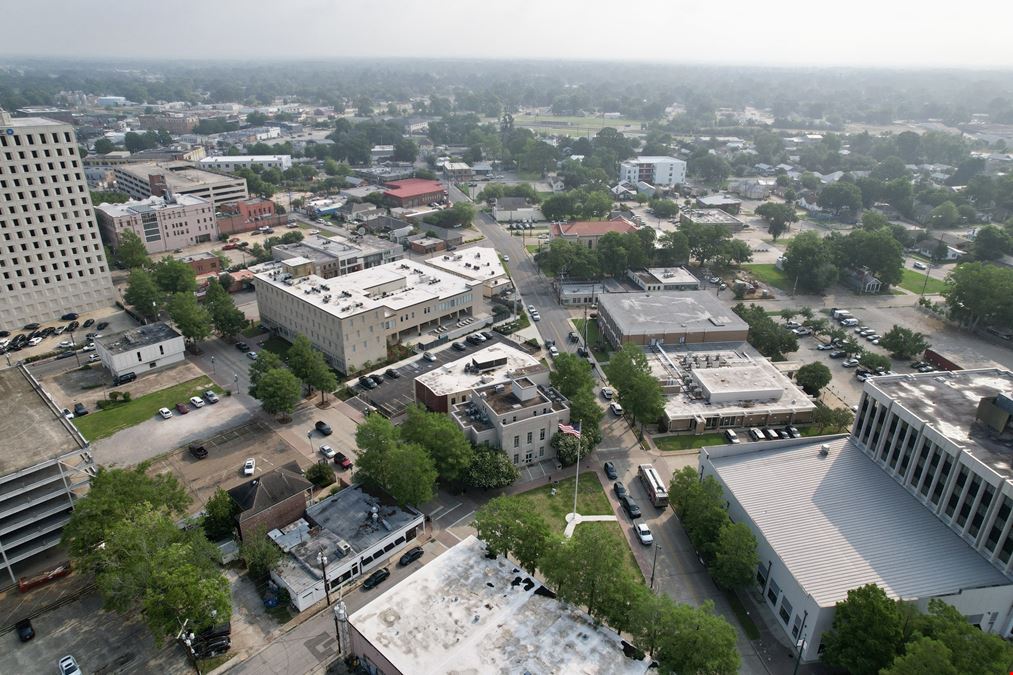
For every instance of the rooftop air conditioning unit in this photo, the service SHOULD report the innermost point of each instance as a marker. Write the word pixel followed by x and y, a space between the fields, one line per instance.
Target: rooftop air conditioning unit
pixel 824 450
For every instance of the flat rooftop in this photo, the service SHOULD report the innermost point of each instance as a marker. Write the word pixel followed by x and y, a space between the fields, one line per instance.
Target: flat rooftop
pixel 718 200
pixel 149 205
pixel 480 262
pixel 669 312
pixel 711 217
pixel 392 286
pixel 32 429
pixel 452 377
pixel 948 402
pixel 135 338
pixel 464 613
pixel 178 175
pixel 839 522
pixel 33 122
pixel 245 158
pixel 668 275
pixel 324 249
pixel 651 159
pixel 506 400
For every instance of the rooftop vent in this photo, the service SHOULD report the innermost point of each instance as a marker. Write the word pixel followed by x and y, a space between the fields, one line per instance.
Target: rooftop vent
pixel 824 450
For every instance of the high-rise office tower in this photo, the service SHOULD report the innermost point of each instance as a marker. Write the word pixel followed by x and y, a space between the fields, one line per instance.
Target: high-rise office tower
pixel 51 257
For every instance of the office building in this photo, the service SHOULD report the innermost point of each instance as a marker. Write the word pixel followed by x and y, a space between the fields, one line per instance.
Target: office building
pixel 664 279
pixel 173 123
pixel 519 417
pixel 465 612
pixel 159 179
pixel 729 205
pixel 353 318
pixel 162 223
pixel 479 263
pixel 676 317
pixel 336 256
pixel 45 467
pixel 355 529
pixel 412 192
pixel 51 255
pixel 653 170
pixel 140 350
pixel 246 215
pixel 587 233
pixel 442 388
pixel 230 164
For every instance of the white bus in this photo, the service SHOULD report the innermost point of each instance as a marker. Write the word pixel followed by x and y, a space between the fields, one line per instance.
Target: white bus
pixel 656 490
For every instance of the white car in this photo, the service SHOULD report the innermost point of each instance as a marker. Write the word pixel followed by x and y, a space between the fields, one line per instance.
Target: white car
pixel 535 316
pixel 919 265
pixel 616 408
pixel 506 258
pixel 34 341
pixel 314 231
pixel 850 363
pixel 249 467
pixel 428 356
pixel 92 358
pixel 165 413
pixel 66 343
pixel 90 347
pixel 643 534
pixel 553 352
pixel 68 666
pixel 196 401
pixel 210 396
pixel 327 451
pixel 251 355
pixel 607 393
pixel 531 308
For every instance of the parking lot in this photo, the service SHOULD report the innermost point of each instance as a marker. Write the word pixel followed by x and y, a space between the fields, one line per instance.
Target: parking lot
pixel 116 319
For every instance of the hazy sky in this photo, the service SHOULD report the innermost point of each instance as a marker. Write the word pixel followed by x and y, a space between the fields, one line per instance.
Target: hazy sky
pixel 784 32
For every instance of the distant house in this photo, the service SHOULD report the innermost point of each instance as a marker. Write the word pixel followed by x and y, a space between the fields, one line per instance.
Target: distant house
pixel 752 188
pixel 273 500
pixel 514 209
pixel 862 281
pixel 457 171
pixel 624 191
pixel 360 211
pixel 587 233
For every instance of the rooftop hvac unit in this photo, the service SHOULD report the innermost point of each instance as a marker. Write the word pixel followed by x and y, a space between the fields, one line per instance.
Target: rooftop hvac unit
pixel 824 450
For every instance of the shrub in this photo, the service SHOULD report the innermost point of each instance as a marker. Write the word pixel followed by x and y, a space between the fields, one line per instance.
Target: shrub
pixel 114 396
pixel 320 474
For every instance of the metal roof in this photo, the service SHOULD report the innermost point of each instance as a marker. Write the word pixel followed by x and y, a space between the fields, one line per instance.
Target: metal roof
pixel 839 522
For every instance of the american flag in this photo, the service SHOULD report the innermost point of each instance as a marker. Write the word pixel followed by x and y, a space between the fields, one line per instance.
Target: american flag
pixel 572 429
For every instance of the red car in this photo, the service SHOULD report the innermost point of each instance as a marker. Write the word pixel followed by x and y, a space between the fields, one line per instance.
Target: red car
pixel 182 408
pixel 341 460
pixel 228 247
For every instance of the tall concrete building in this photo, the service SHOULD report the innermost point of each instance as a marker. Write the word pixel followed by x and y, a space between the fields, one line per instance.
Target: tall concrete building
pixel 162 223
pixel 51 255
pixel 147 179
pixel 656 171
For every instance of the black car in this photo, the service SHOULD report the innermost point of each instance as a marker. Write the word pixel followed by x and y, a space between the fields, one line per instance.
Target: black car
pixel 459 346
pixel 632 510
pixel 619 489
pixel 198 451
pixel 793 432
pixel 80 410
pixel 366 382
pixel 474 340
pixel 375 579
pixel 73 326
pixel 88 323
pixel 323 427
pixel 69 316
pixel 582 352
pixel 410 556
pixel 5 333
pixel 31 326
pixel 487 335
pixel 377 380
pixel 838 354
pixel 66 355
pixel 242 346
pixel 25 630
pixel 610 470
pixel 102 325
pixel 573 337
pixel 392 374
pixel 211 648
pixel 123 378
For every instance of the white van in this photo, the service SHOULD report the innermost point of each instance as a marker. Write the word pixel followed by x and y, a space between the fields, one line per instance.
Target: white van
pixel 849 322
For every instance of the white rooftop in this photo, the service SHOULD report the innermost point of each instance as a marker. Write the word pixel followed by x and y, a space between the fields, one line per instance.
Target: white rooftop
pixel 392 287
pixel 651 159
pixel 672 275
pixel 480 263
pixel 135 206
pixel 245 158
pixel 839 522
pixel 461 613
pixel 451 378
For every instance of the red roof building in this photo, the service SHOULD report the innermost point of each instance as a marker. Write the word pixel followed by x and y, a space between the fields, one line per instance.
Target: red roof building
pixel 412 192
pixel 588 232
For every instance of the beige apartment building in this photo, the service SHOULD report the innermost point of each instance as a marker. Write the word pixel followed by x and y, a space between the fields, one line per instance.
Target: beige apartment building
pixel 51 255
pixel 162 223
pixel 353 318
pixel 146 179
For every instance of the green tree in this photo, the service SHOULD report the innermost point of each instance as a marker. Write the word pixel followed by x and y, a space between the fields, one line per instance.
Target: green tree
pixel 405 150
pixel 972 650
pixel 321 474
pixel 174 276
pixel 103 146
pixel 585 567
pixel 778 217
pixel 835 419
pixel 944 216
pixel 571 374
pixel 813 376
pixel 980 293
pixel 991 243
pixel 442 438
pixel 220 516
pixel 639 392
pixel 924 655
pixel 376 434
pixel 874 220
pixel 278 392
pixel 585 410
pixel 874 361
pixel 259 554
pixel 508 525
pixel 411 480
pixel 192 320
pixel 735 558
pixel 266 362
pixel 696 640
pixel 226 318
pixel 840 197
pixel 712 168
pixel 674 249
pixel 143 294
pixel 770 338
pixel 867 632
pixel 811 261
pixel 612 255
pixel 903 343
pixel 490 469
pixel 664 208
pixel 131 252
pixel 876 250
pixel 569 449
pixel 705 239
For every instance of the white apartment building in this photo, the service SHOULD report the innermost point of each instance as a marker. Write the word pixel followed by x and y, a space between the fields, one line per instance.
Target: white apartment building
pixel 142 349
pixel 51 256
pixel 353 318
pixel 655 170
pixel 230 164
pixel 162 223
pixel 146 179
pixel 519 418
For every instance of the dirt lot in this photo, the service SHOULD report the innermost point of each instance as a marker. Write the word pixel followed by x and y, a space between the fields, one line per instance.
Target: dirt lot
pixel 223 466
pixel 89 386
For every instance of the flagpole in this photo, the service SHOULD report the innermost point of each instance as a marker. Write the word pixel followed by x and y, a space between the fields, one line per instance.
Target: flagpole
pixel 576 475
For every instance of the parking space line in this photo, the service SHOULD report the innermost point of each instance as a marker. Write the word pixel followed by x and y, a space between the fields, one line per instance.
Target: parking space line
pixel 450 509
pixel 454 524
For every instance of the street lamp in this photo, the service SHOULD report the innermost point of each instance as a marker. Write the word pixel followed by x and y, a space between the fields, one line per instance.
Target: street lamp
pixel 309 437
pixel 322 559
pixel 212 365
pixel 654 565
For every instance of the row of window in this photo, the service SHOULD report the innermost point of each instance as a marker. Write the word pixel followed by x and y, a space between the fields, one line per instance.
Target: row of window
pixel 29 139
pixel 541 437
pixel 30 180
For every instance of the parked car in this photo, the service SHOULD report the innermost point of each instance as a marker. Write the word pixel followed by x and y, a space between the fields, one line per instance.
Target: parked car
pixel 164 413
pixel 392 374
pixel 34 341
pixel 459 346
pixel 210 396
pixel 610 470
pixel 731 436
pixel 73 326
pixel 473 340
pixel 366 382
pixel 824 348
pixel 102 325
pixel 410 556
pixel 862 377
pixel 771 434
pixel 327 451
pixel 926 369
pixel 342 460
pixel 850 363
pixel 838 354
pixel 80 410
pixel 198 451
pixel 377 379
pixel 918 364
pixel 756 435
pixel 792 432
pixel 619 489
pixel 69 316
pixel 68 666
pixel 428 356
pixel 535 316
pixel 249 467
pixel 251 355
pixel 607 393
pixel 323 427
pixel 630 506
pixel 643 534
pixel 90 347
pixel 66 413
pixel 182 408
pixel 242 346
pixel 488 335
pixel 582 352
pixel 375 579
pixel 196 401
pixel 872 337
pixel 802 331
pixel 553 352
pixel 573 337
pixel 616 408
pixel 25 630
pixel 919 265
pixel 31 326
pixel 69 354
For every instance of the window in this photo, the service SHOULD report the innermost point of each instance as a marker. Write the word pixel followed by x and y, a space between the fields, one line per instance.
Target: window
pixel 541 435
pixel 517 442
pixel 530 435
pixel 761 575
pixel 139 359
pixel 772 592
pixel 797 626
pixel 785 611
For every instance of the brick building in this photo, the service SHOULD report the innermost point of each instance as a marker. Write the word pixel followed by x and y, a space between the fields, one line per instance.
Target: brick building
pixel 412 192
pixel 203 263
pixel 247 215
pixel 271 501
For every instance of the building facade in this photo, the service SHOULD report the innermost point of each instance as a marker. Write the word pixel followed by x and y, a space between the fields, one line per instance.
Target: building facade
pixel 587 233
pixel 246 215
pixel 51 256
pixel 163 224
pixel 146 179
pixel 337 256
pixel 656 171
pixel 412 192
pixel 231 163
pixel 174 124
pixel 140 350
pixel 672 318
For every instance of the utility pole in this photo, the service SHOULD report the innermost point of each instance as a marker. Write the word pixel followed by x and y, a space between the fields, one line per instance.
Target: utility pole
pixel 654 565
pixel 800 645
pixel 322 559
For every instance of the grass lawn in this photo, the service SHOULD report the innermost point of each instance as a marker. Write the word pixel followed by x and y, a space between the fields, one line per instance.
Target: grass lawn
pixel 670 443
pixel 532 248
pixel 769 275
pixel 277 345
pixel 599 346
pixel 914 280
pixel 252 331
pixel 102 423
